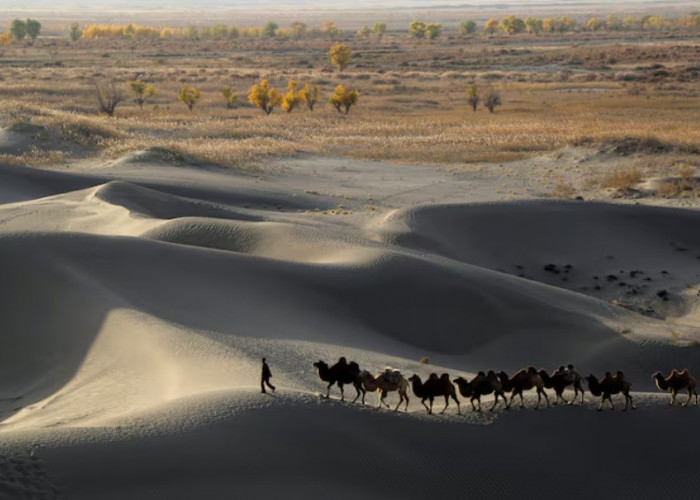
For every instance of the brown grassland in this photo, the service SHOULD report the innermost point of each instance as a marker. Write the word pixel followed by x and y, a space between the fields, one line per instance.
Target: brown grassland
pixel 633 96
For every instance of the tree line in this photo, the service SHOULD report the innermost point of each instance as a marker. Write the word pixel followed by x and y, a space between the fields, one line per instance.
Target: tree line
pixel 29 29
pixel 261 95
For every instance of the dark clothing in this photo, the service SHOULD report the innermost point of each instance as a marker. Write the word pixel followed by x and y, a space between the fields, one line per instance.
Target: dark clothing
pixel 266 374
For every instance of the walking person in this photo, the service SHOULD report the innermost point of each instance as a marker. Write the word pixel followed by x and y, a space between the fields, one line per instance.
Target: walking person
pixel 266 374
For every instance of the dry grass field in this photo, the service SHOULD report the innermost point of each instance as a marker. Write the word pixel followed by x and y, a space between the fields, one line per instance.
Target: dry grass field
pixel 635 97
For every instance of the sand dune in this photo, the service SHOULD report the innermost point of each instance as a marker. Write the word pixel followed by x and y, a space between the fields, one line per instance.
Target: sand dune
pixel 139 297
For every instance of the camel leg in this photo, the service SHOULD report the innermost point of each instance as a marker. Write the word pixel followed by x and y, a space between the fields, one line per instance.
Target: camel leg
pixel 561 395
pixel 382 399
pixel 473 406
pixel 546 398
pixel 430 410
pixel 631 402
pixel 600 408
pixel 459 411
pixel 359 390
pixel 406 398
pixel 342 393
pixel 522 401
pixel 400 401
pixel 673 397
pixel 328 390
pixel 612 406
pixel 495 401
pixel 447 403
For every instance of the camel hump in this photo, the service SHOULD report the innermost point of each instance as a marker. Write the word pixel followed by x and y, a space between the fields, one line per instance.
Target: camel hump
pixel 393 377
pixel 445 376
pixel 433 376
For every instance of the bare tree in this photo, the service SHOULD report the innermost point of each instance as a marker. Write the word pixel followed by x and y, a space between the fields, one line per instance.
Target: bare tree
pixel 492 100
pixel 108 95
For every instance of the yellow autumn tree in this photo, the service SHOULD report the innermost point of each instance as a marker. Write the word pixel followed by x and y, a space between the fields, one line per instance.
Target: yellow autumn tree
pixel 264 97
pixel 491 26
pixel 142 90
pixel 190 96
pixel 291 99
pixel 230 96
pixel 340 56
pixel 5 39
pixel 309 95
pixel 343 98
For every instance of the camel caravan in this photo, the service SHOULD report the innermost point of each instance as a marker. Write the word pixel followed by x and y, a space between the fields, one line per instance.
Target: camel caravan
pixel 500 384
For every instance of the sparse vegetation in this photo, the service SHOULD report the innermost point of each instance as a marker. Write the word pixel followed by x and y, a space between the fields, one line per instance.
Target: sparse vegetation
pixel 264 97
pixel 229 96
pixel 421 30
pixel 473 96
pixel 33 28
pixel 18 29
pixel 379 30
pixel 343 98
pixel 624 98
pixel 563 189
pixel 492 99
pixel 309 95
pixel 340 56
pixel 622 179
pixel 189 96
pixel 108 95
pixel 142 90
pixel 75 32
pixel 467 27
pixel 291 99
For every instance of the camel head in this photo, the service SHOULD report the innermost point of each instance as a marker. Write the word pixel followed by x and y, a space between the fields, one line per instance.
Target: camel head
pixel 342 361
pixel 546 379
pixel 320 365
pixel 660 381
pixel 593 385
pixel 460 380
pixel 570 368
pixel 414 378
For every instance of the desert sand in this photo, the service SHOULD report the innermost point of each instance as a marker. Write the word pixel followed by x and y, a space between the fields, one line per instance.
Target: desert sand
pixel 140 294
